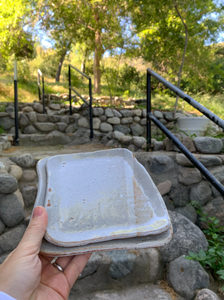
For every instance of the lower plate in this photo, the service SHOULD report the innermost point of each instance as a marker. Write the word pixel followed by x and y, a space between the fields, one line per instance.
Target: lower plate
pixel 49 249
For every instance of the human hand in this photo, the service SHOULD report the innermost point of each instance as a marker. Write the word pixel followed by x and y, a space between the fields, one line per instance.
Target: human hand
pixel 26 275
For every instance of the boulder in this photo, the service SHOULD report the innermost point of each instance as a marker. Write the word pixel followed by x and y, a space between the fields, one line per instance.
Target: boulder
pixel 83 122
pixel 8 184
pixel 30 129
pixel 158 146
pixel 168 202
pixel 29 176
pixel 70 129
pixel 186 237
pixel 186 276
pixel 117 135
pixel 24 161
pixel 137 119
pixel 124 139
pixel 29 195
pixel 38 107
pixel 27 109
pixel 143 122
pixel 168 116
pixel 201 193
pixel 98 111
pixel 103 118
pixel 179 193
pixel 169 146
pixel 158 114
pixel 61 126
pixel 109 113
pixel 189 212
pixel 2 227
pixel 42 117
pixel 136 129
pixel 54 118
pixel 138 141
pixel 45 127
pixel 217 172
pixel 117 113
pixel 16 172
pixel 65 119
pixel 208 144
pixel 137 112
pixel 206 294
pixel 189 144
pixel 55 106
pixel 11 210
pixel 189 176
pixel 183 160
pixel 122 128
pixel 105 127
pixel 32 117
pixel 11 238
pixel 96 123
pixel 23 121
pixel 114 120
pixel 164 187
pixel 126 113
pixel 161 163
pixel 210 160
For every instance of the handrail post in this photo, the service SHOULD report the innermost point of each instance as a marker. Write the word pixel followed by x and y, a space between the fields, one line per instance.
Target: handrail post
pixel 90 109
pixel 16 105
pixel 70 92
pixel 38 83
pixel 148 126
pixel 43 94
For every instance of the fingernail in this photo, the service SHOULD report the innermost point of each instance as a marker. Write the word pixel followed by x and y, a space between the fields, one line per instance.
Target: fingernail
pixel 37 211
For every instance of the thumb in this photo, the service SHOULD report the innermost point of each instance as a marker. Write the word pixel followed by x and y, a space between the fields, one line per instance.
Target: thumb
pixel 35 231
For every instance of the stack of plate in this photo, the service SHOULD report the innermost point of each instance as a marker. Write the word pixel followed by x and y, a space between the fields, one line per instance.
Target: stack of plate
pixel 100 201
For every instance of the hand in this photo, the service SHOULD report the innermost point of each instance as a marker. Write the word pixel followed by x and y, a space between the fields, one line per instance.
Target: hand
pixel 26 275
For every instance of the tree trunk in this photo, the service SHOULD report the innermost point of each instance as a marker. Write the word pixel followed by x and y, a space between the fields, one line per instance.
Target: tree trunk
pixel 97 58
pixel 184 53
pixel 83 65
pixel 58 73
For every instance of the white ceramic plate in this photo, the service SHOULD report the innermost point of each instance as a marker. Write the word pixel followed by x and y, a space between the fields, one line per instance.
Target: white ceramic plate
pixel 101 196
pixel 49 249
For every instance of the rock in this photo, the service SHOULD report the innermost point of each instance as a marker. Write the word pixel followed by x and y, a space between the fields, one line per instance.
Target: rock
pixel 137 119
pixel 188 176
pixel 105 127
pixel 215 192
pixel 208 144
pixel 91 266
pixel 29 175
pixel 158 146
pixel 137 112
pixel 143 122
pixel 11 238
pixel 30 129
pixel 6 123
pixel 27 109
pixel 23 121
pixel 96 123
pixel 113 143
pixel 83 122
pixel 164 187
pixel 144 113
pixel 160 164
pixel 132 148
pixel 189 212
pixel 11 210
pixel 217 172
pixel 45 127
pixel 169 203
pixel 55 106
pixel 163 121
pixel 128 120
pixel 183 160
pixel 189 144
pixel 20 197
pixel 117 135
pixel 70 129
pixel 29 195
pixel 158 114
pixel 201 193
pixel 117 114
pixel 168 116
pixel 103 118
pixel 61 126
pixel 206 294
pixel 16 172
pixel 122 128
pixel 186 237
pixel 32 117
pixel 186 276
pixel 8 184
pixel 122 263
pixel 114 120
pixel 136 129
pixel 169 146
pixel 140 292
pixel 2 227
pixel 138 141
pixel 9 109
pixel 54 118
pixel 65 119
pixel 42 117
pixel 126 140
pixel 109 113
pixel 38 107
pixel 98 111
pixel 24 161
pixel 126 113
pixel 210 160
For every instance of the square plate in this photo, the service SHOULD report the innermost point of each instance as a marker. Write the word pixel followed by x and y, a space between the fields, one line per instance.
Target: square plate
pixel 101 196
pixel 49 249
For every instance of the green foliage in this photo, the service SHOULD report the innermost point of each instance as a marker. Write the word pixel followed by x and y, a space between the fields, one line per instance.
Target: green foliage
pixel 214 256
pixel 2 107
pixel 1 130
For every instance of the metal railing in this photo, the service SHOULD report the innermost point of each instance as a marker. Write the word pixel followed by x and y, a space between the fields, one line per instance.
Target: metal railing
pixel 176 142
pixel 84 100
pixel 41 88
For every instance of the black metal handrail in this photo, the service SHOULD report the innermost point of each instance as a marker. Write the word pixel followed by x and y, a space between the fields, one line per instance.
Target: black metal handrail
pixel 77 93
pixel 41 91
pixel 183 149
